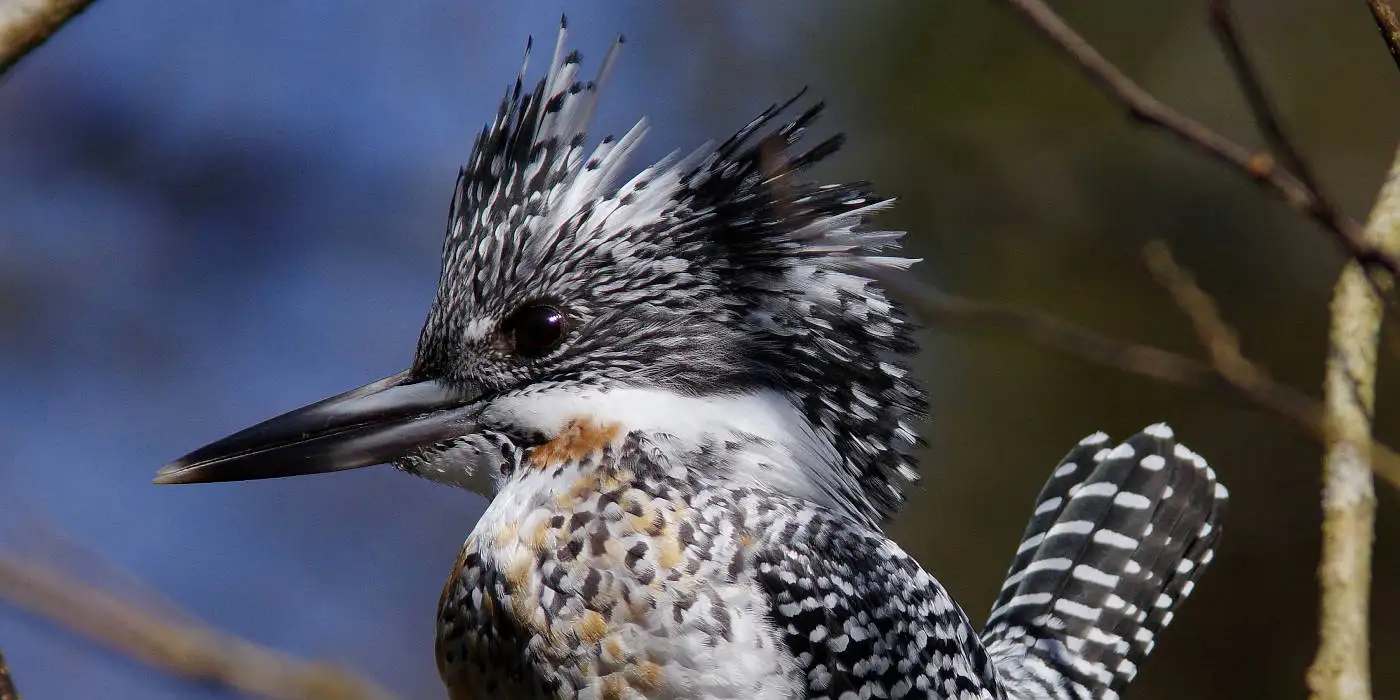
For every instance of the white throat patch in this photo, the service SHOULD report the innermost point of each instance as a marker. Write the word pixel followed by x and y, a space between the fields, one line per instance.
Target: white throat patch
pixel 787 456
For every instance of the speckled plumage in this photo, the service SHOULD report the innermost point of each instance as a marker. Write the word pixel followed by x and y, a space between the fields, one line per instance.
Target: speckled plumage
pixel 616 574
pixel 627 573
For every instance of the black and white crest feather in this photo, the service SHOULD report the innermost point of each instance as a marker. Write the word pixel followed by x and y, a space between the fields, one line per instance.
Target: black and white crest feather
pixel 733 271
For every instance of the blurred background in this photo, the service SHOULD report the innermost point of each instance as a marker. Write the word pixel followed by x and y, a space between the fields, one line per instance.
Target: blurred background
pixel 211 212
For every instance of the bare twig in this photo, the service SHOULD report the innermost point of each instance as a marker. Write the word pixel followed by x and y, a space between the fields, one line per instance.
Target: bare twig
pixel 180 648
pixel 1219 339
pixel 1142 105
pixel 1388 25
pixel 25 24
pixel 7 684
pixel 1262 108
pixel 1294 407
pixel 1222 344
pixel 1341 670
pixel 34 536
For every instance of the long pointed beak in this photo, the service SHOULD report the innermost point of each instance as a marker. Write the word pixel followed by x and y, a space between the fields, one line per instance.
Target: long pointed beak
pixel 373 424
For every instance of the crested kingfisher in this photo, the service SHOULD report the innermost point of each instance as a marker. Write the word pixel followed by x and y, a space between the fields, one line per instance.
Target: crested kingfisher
pixel 688 401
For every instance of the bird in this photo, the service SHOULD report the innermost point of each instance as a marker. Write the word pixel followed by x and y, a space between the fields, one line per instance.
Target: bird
pixel 687 398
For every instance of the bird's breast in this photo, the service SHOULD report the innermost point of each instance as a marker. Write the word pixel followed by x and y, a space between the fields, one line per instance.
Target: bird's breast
pixel 609 573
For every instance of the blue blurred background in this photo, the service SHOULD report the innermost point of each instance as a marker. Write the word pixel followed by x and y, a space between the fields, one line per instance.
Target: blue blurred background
pixel 211 212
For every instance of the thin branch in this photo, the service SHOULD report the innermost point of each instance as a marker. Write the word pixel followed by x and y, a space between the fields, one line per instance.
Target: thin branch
pixel 1142 105
pixel 1221 341
pixel 1294 407
pixel 1388 25
pixel 44 540
pixel 1262 108
pixel 7 684
pixel 183 649
pixel 1266 118
pixel 25 24
pixel 1341 670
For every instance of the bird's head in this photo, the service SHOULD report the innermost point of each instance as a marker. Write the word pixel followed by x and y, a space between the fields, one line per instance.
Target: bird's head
pixel 715 301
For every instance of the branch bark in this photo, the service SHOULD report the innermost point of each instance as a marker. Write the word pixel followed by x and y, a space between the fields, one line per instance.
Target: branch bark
pixel 182 649
pixel 1251 387
pixel 25 24
pixel 1341 670
pixel 1388 25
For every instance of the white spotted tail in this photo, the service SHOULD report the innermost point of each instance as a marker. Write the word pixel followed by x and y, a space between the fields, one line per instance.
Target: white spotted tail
pixel 1118 539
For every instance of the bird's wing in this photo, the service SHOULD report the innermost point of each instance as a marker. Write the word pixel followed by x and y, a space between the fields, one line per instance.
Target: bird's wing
pixel 855 610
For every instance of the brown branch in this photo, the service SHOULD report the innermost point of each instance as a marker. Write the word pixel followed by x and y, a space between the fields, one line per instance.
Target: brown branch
pixel 1221 341
pixel 183 649
pixel 7 684
pixel 25 24
pixel 1143 106
pixel 1266 118
pixel 1388 25
pixel 1262 108
pixel 1222 344
pixel 1294 407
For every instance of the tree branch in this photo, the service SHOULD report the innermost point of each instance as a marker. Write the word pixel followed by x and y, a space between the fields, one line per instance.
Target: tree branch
pixel 1341 670
pixel 1219 339
pixel 25 24
pixel 183 649
pixel 1258 167
pixel 1266 118
pixel 1262 108
pixel 936 307
pixel 1388 25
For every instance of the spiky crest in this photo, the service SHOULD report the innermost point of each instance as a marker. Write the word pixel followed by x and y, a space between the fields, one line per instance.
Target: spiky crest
pixel 729 231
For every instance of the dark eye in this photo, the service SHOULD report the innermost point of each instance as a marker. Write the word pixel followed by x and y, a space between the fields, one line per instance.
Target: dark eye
pixel 534 330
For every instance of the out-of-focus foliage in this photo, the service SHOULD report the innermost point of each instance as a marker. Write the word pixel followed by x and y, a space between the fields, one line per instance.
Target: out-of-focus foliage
pixel 212 211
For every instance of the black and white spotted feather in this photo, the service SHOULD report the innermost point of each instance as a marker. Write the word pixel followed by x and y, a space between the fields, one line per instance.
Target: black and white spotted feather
pixel 1118 539
pixel 863 619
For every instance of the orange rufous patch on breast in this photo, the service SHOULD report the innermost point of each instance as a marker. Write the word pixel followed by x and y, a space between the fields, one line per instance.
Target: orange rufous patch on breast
pixel 580 437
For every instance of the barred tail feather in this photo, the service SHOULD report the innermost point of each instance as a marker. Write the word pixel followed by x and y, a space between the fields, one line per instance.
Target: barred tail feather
pixel 1118 539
